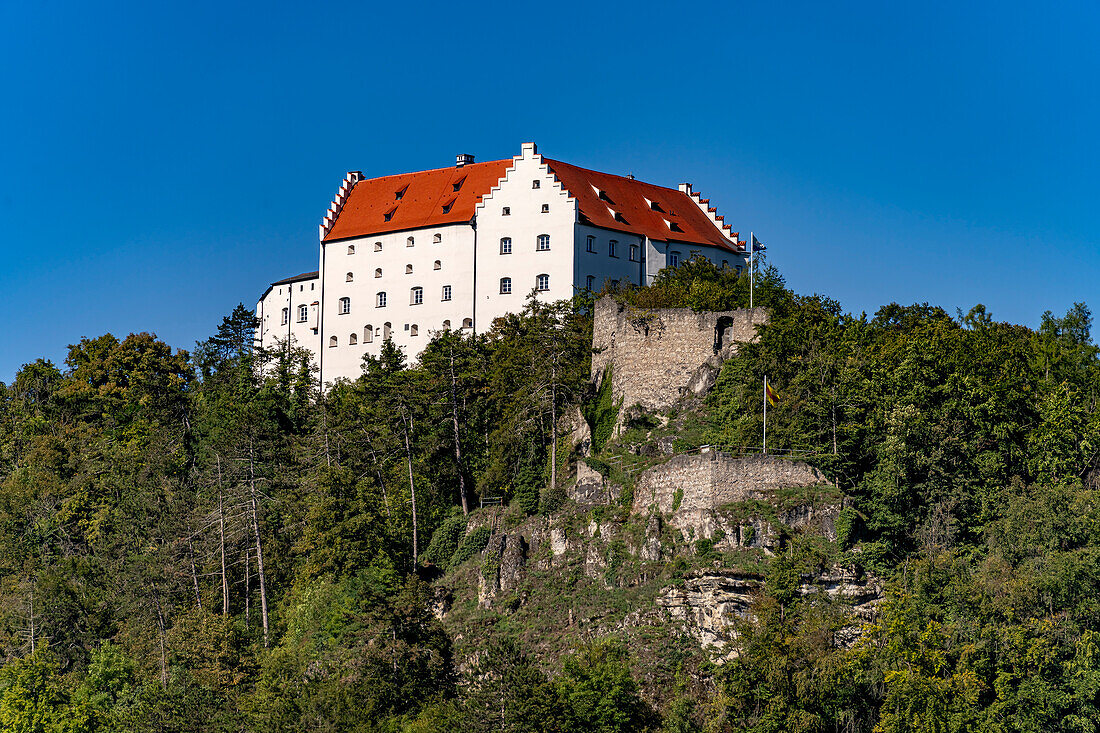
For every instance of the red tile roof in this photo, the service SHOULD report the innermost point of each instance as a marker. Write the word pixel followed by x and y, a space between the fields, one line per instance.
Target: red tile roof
pixel 627 198
pixel 428 198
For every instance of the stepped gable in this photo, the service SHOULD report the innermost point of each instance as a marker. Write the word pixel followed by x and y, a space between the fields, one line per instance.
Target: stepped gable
pixel 415 200
pixel 628 205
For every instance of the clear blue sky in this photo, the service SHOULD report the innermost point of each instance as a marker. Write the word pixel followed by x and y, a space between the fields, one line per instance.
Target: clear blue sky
pixel 161 162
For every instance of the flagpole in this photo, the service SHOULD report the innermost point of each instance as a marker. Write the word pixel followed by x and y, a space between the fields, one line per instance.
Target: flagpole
pixel 752 249
pixel 765 414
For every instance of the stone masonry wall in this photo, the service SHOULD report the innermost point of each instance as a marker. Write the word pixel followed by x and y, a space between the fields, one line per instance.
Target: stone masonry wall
pixel 709 480
pixel 657 354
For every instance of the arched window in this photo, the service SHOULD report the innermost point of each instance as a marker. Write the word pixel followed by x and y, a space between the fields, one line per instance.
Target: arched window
pixel 286 316
pixel 378 272
pixel 349 277
pixel 437 238
pixel 368 334
pixel 437 265
pixel 543 242
pixel 353 339
pixel 416 296
pixel 447 325
pixel 505 285
pixel 506 245
pixel 546 208
pixel 408 269
pixel 345 306
pixel 351 249
pixel 542 282
pixel 331 341
pixel 387 329
pixel 414 330
pixel 446 292
pixel 380 301
pixel 467 322
pixel 377 246
pixel 303 313
pixel 409 242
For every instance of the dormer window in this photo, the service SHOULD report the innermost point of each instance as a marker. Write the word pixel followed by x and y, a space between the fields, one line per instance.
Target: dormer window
pixel 447 207
pixel 505 211
pixel 674 226
pixel 620 218
pixel 400 193
pixel 458 184
pixel 389 214
pixel 656 206
pixel 536 184
pixel 605 197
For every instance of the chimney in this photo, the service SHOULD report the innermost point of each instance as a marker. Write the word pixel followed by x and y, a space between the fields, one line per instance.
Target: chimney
pixel 463 159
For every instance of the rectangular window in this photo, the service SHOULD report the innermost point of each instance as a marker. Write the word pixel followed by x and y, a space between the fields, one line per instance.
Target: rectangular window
pixel 506 211
pixel 446 292
pixel 535 184
pixel 543 243
pixel 506 245
pixel 592 244
pixel 612 248
pixel 674 259
pixel 505 285
pixel 381 302
pixel 303 313
pixel 589 282
pixel 286 316
pixel 633 253
pixel 417 296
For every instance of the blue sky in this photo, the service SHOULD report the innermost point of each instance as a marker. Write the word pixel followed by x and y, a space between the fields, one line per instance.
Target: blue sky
pixel 161 163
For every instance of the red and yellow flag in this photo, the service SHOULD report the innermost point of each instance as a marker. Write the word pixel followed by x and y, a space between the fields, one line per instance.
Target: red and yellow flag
pixel 771 395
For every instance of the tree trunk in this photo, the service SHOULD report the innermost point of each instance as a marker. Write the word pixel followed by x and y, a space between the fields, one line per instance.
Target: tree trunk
pixel 247 590
pixel 160 638
pixel 553 435
pixel 408 426
pixel 221 542
pixel 256 535
pixel 458 443
pixel 194 573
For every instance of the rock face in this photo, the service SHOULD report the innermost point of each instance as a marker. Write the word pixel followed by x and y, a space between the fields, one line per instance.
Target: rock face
pixel 659 355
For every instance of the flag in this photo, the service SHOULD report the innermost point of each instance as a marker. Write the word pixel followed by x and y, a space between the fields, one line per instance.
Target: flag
pixel 757 245
pixel 773 397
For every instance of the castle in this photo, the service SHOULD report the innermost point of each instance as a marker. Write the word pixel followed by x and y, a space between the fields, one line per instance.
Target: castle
pixel 406 255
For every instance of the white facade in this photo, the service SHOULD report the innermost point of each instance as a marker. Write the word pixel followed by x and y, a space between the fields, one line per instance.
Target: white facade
pixel 527 232
pixel 289 312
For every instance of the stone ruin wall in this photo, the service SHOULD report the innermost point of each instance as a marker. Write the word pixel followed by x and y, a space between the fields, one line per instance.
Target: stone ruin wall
pixel 657 354
pixel 709 480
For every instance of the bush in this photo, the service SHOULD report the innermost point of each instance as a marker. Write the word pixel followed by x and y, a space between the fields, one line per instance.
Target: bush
pixel 445 541
pixel 602 414
pixel 473 543
pixel 846 526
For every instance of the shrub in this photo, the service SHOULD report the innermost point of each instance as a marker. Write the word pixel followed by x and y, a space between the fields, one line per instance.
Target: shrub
pixel 472 544
pixel 445 541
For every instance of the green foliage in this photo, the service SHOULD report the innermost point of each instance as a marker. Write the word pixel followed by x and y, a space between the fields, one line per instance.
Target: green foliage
pixel 846 526
pixel 472 543
pixel 596 692
pixel 603 412
pixel 677 497
pixel 445 541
